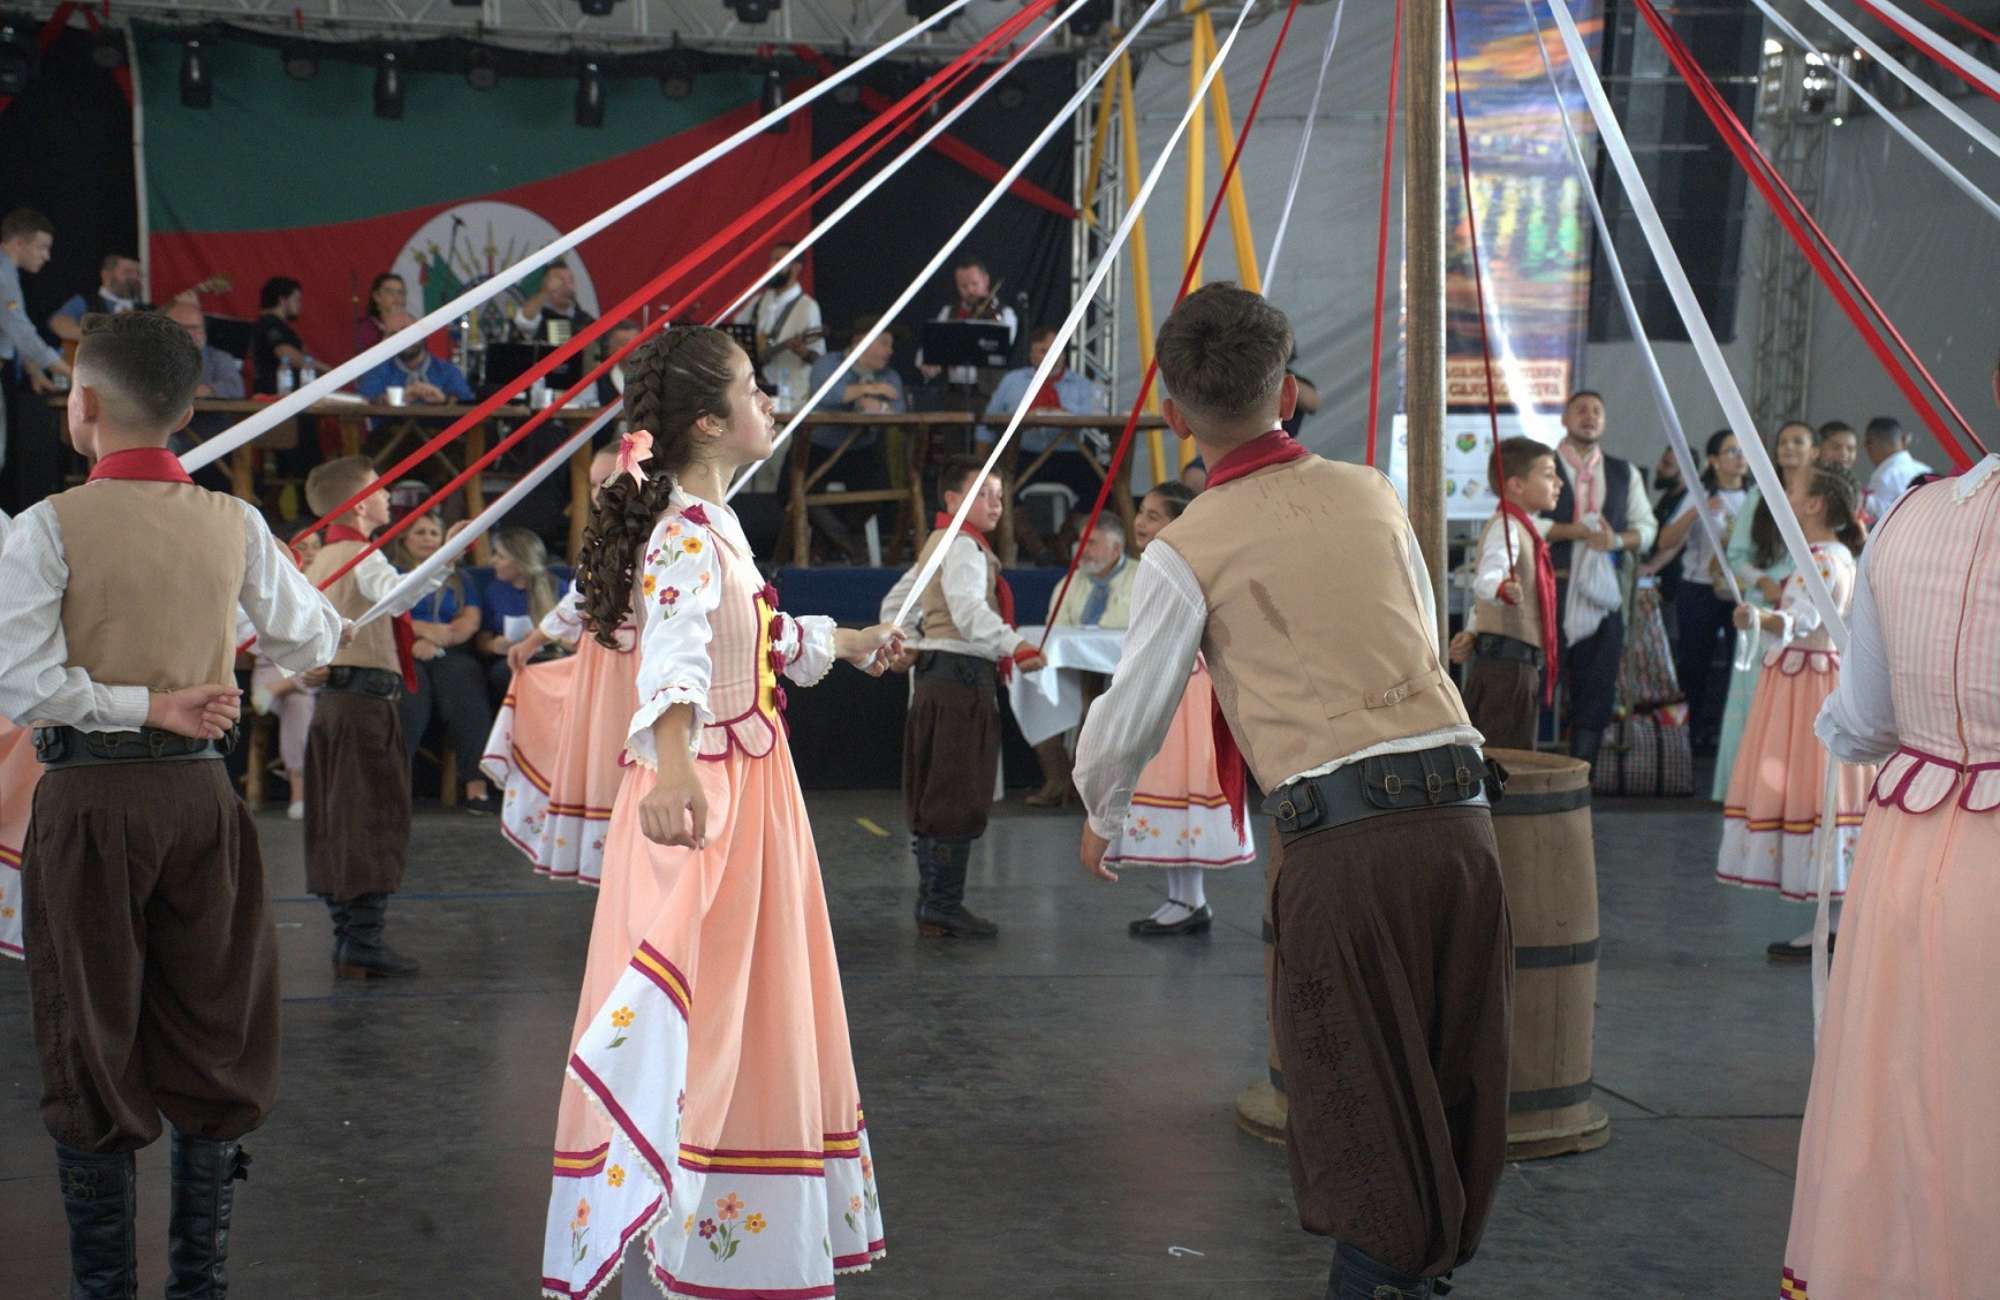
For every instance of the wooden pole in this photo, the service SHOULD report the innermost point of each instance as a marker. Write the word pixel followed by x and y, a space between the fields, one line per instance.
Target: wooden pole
pixel 1424 276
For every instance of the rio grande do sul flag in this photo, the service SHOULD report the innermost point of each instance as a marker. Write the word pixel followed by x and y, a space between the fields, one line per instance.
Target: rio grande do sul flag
pixel 300 178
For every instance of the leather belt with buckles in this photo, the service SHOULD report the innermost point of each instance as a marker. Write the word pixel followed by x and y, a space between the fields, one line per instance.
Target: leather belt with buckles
pixel 1450 776
pixel 379 682
pixel 1489 645
pixel 967 670
pixel 60 747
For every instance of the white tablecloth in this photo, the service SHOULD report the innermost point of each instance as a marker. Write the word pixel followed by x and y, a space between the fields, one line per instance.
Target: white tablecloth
pixel 1049 701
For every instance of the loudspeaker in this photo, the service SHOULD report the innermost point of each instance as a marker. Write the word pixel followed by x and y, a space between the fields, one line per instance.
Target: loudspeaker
pixel 1694 180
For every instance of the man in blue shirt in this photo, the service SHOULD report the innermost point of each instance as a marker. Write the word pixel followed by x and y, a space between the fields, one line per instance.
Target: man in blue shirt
pixel 118 290
pixel 37 456
pixel 872 386
pixel 1064 391
pixel 424 379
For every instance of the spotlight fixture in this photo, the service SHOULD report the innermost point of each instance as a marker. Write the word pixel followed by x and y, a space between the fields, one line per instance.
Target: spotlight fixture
pixel 301 60
pixel 197 91
pixel 481 73
pixel 751 12
pixel 772 98
pixel 677 74
pixel 108 50
pixel 17 62
pixel 389 88
pixel 590 95
pixel 595 8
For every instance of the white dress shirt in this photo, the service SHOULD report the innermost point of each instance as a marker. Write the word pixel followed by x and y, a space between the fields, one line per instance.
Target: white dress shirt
pixel 1892 478
pixel 1129 723
pixel 963 574
pixel 1497 550
pixel 1639 516
pixel 297 627
pixel 565 621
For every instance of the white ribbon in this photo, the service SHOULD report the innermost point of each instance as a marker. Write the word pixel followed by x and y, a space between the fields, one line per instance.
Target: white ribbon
pixel 1894 121
pixel 286 407
pixel 457 545
pixel 993 196
pixel 1683 453
pixel 1706 349
pixel 1969 69
pixel 1305 138
pixel 1196 102
pixel 1929 94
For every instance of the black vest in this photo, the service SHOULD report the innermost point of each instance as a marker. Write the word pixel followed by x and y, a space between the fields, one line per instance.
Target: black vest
pixel 1617 504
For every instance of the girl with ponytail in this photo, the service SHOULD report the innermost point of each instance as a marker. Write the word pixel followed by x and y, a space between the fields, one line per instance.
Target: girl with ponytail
pixel 1772 816
pixel 711 1038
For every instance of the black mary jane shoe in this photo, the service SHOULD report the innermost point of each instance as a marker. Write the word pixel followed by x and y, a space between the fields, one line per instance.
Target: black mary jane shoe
pixel 1785 951
pixel 1195 922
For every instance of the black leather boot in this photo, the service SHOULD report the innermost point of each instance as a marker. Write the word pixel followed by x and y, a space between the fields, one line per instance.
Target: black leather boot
pixel 205 1174
pixel 362 954
pixel 101 1199
pixel 924 849
pixel 942 914
pixel 337 912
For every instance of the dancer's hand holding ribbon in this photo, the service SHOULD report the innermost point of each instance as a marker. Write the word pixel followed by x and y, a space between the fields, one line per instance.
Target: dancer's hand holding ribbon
pixel 871 649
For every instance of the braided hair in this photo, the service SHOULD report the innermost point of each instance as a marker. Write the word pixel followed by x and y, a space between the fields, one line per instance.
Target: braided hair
pixel 1842 506
pixel 671 381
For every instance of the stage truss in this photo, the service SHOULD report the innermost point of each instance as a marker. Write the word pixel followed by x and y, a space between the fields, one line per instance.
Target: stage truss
pixel 1795 137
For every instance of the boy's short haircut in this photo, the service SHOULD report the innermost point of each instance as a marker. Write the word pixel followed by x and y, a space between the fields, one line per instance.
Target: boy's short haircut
pixel 961 470
pixel 1223 351
pixel 335 481
pixel 144 365
pixel 1517 459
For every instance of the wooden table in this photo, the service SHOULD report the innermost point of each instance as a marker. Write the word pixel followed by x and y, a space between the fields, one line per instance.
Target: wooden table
pixel 920 430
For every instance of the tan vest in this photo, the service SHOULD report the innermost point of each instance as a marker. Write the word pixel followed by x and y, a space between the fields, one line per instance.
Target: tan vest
pixel 1315 637
pixel 1522 621
pixel 374 644
pixel 936 622
pixel 155 570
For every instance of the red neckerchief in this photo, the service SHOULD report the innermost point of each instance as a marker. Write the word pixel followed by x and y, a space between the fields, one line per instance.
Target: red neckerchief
pixel 1002 593
pixel 399 626
pixel 1545 594
pixel 151 464
pixel 1048 399
pixel 1274 448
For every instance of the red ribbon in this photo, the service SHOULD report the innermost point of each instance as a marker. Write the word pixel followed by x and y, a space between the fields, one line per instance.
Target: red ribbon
pixel 151 464
pixel 399 626
pixel 1936 6
pixel 1910 38
pixel 1382 235
pixel 1545 595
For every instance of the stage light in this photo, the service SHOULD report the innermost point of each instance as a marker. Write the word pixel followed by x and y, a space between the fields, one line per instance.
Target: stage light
pixel 772 98
pixel 677 75
pixel 17 62
pixel 590 96
pixel 389 88
pixel 480 71
pixel 301 60
pixel 751 12
pixel 197 91
pixel 108 51
pixel 595 8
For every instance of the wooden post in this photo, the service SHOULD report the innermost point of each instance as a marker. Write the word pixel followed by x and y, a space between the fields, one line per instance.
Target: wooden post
pixel 1424 275
pixel 1197 146
pixel 579 498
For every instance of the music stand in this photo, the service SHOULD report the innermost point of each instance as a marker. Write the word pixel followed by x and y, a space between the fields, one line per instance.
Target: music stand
pixel 976 343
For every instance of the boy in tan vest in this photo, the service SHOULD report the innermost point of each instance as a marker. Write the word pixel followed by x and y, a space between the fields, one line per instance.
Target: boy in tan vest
pixel 1511 675
pixel 357 771
pixel 152 964
pixel 1301 581
pixel 964 647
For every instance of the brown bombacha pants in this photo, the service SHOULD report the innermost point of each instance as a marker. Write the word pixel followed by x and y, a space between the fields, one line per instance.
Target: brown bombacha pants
pixel 152 965
pixel 1504 699
pixel 357 797
pixel 1395 970
pixel 951 747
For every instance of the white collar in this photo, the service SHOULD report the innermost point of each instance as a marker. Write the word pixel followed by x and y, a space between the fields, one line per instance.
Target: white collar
pixel 1968 484
pixel 117 304
pixel 721 519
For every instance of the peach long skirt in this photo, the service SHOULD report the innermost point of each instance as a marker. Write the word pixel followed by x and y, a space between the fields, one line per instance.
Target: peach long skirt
pixel 19 771
pixel 554 751
pixel 1179 817
pixel 710 1102
pixel 1774 806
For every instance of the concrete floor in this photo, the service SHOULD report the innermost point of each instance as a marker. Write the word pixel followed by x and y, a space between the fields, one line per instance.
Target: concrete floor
pixel 1051 1113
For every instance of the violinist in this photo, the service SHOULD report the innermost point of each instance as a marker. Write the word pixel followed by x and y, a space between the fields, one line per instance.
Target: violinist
pixel 976 298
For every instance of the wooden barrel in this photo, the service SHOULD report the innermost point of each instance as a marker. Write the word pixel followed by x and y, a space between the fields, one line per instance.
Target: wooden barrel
pixel 1260 1108
pixel 1550 866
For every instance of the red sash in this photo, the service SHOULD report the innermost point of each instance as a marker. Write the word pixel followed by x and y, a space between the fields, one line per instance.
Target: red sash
pixel 1545 595
pixel 1274 448
pixel 399 626
pixel 1048 399
pixel 152 464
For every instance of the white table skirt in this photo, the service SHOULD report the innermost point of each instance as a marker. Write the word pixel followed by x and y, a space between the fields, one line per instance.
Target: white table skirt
pixel 1049 701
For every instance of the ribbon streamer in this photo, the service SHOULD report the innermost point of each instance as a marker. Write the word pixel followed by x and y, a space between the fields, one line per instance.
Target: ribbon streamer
pixel 347 371
pixel 993 196
pixel 1662 398
pixel 1946 55
pixel 1894 121
pixel 1612 135
pixel 1923 89
pixel 1938 6
pixel 1382 239
pixel 1305 139
pixel 1197 102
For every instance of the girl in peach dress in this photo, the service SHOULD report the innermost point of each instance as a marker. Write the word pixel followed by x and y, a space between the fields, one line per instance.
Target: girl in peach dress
pixel 1898 1188
pixel 1774 809
pixel 1179 820
pixel 709 1107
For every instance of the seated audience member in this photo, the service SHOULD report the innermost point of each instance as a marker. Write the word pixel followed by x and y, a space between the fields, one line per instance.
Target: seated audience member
pixel 118 289
pixel 1066 392
pixel 425 380
pixel 611 384
pixel 277 344
pixel 518 595
pixel 221 373
pixel 872 386
pixel 1099 596
pixel 451 684
pixel 387 297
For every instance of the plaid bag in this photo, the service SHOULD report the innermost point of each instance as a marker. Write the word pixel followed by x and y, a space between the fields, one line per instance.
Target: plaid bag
pixel 1646 676
pixel 1648 755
